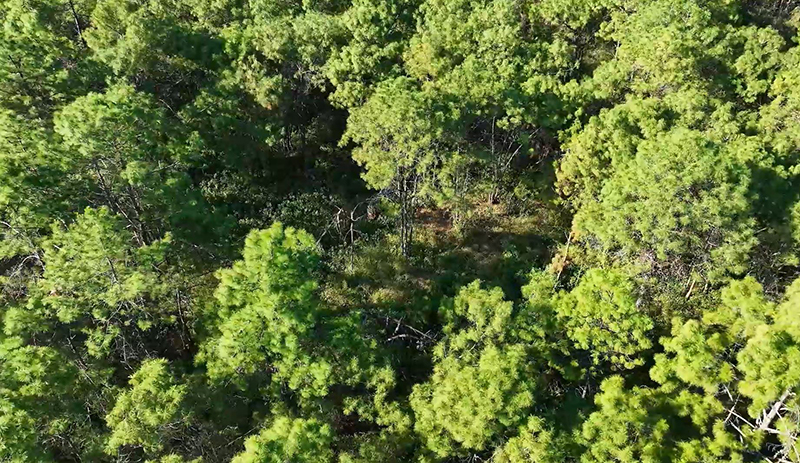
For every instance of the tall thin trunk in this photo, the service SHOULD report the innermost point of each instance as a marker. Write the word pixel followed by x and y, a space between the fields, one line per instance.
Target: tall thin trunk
pixel 77 23
pixel 407 195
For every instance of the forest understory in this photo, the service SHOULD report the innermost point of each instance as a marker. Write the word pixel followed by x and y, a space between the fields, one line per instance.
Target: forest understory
pixel 377 231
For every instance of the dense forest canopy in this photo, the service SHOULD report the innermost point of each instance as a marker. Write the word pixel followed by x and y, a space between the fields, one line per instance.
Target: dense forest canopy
pixel 376 231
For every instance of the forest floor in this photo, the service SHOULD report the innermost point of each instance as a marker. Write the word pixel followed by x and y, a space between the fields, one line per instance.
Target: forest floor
pixel 494 246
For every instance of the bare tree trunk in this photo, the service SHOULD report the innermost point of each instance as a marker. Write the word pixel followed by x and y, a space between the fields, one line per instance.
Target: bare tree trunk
pixel 407 199
pixel 77 24
pixel 767 417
